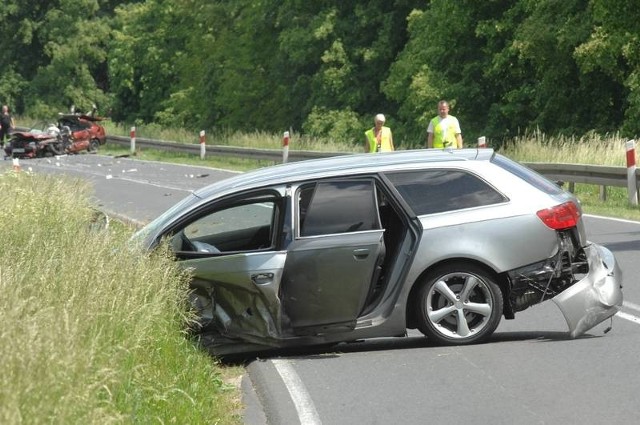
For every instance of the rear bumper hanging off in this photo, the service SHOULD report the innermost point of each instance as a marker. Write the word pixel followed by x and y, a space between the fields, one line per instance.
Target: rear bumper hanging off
pixel 594 298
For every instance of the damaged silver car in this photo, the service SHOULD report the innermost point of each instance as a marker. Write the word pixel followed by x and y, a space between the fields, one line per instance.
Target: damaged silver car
pixel 363 246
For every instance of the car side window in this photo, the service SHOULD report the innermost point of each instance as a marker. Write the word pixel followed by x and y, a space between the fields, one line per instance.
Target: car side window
pixel 247 225
pixel 331 207
pixel 434 191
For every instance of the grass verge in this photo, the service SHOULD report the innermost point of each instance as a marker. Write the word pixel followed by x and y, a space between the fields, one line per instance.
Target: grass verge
pixel 93 330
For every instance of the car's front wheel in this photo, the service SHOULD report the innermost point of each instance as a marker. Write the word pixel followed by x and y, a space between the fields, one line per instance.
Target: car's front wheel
pixel 458 304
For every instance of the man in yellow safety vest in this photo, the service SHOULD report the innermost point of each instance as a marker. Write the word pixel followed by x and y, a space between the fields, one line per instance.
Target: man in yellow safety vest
pixel 378 138
pixel 444 129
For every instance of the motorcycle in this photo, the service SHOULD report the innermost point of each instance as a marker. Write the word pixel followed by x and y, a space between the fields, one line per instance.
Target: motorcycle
pixel 53 141
pixel 32 144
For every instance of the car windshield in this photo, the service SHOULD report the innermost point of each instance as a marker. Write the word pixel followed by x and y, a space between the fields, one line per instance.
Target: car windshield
pixel 142 235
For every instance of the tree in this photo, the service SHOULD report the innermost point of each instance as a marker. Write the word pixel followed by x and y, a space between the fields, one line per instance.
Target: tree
pixel 66 45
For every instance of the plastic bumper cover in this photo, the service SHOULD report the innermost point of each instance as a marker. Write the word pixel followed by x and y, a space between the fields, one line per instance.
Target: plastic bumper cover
pixel 594 298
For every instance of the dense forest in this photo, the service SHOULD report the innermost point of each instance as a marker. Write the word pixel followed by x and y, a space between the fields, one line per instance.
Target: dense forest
pixel 326 67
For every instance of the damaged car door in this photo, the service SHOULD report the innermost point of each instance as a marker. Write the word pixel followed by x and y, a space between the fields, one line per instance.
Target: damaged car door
pixel 231 251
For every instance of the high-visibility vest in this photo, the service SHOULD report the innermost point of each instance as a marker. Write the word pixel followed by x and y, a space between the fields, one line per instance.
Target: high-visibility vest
pixel 444 136
pixel 385 140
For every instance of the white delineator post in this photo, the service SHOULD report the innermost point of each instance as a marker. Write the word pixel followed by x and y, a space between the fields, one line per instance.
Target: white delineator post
pixel 285 147
pixel 632 187
pixel 203 145
pixel 482 142
pixel 132 135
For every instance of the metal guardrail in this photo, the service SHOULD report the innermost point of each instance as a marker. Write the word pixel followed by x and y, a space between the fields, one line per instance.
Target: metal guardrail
pixel 601 175
pixel 574 173
pixel 229 151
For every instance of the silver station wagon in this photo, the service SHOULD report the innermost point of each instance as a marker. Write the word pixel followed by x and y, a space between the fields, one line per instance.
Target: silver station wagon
pixel 362 246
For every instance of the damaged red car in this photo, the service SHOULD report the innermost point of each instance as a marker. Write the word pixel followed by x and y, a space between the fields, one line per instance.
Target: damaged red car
pixel 85 129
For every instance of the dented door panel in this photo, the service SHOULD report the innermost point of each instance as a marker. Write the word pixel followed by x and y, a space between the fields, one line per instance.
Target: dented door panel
pixel 237 295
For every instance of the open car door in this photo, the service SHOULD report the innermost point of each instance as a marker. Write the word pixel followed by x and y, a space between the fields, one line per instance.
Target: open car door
pixel 332 262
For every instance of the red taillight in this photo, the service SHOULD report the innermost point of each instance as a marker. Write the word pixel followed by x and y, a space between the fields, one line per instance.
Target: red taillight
pixel 560 217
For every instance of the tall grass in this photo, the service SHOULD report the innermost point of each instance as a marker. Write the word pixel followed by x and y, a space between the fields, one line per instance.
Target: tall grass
pixel 92 330
pixel 255 139
pixel 591 149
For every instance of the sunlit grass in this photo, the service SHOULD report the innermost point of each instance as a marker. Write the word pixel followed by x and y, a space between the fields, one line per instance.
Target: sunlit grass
pixel 93 330
pixel 256 139
pixel 591 149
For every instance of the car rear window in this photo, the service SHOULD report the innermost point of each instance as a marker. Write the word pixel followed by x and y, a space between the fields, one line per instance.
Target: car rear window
pixel 527 174
pixel 434 191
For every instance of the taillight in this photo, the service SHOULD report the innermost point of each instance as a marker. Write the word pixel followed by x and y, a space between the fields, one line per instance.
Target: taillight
pixel 560 217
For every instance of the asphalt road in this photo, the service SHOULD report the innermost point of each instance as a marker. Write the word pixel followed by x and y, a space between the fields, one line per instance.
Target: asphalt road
pixel 529 373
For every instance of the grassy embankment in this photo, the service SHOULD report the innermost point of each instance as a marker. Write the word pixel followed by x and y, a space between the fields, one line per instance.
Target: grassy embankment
pixel 93 331
pixel 592 149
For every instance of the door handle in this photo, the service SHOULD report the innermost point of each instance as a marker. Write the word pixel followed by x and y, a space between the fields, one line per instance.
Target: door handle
pixel 262 278
pixel 360 254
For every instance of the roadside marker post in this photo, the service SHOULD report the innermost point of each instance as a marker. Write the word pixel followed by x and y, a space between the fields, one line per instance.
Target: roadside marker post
pixel 16 165
pixel 632 186
pixel 285 147
pixel 132 135
pixel 203 145
pixel 482 142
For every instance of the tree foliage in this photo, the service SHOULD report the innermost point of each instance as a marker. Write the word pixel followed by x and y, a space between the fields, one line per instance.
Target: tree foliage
pixel 326 67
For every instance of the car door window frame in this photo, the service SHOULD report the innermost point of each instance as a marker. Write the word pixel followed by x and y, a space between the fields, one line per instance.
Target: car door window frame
pixel 254 197
pixel 300 217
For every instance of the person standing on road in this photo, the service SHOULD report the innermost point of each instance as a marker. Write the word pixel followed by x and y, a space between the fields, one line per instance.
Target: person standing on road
pixel 6 125
pixel 378 138
pixel 444 129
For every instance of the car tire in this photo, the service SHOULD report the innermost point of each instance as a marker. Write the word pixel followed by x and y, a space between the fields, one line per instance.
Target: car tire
pixel 458 304
pixel 56 148
pixel 94 145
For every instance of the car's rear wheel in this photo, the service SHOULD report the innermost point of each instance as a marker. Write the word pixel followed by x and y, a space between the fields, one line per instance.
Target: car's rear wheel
pixel 94 145
pixel 458 304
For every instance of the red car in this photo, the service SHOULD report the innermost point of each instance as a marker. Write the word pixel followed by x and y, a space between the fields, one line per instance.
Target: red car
pixel 84 128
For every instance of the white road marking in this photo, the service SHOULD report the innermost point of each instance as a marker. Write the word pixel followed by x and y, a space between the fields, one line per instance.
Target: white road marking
pixel 621 220
pixel 301 399
pixel 631 305
pixel 629 317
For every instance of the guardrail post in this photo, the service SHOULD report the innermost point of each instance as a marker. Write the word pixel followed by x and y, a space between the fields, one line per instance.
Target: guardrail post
pixel 132 135
pixel 285 147
pixel 482 142
pixel 203 145
pixel 603 193
pixel 632 187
